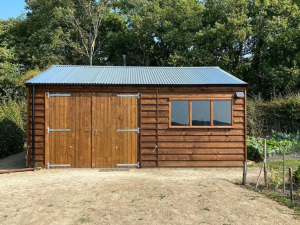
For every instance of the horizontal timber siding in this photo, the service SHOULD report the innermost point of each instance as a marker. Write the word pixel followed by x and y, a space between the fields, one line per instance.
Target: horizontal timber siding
pixel 176 146
pixel 39 127
pixel 190 146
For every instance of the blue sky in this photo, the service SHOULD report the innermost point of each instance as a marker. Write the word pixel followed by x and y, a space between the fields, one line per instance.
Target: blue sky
pixel 11 8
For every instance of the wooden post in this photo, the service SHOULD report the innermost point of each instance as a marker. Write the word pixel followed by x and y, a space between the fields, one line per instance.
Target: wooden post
pixel 291 183
pixel 244 173
pixel 265 162
pixel 283 172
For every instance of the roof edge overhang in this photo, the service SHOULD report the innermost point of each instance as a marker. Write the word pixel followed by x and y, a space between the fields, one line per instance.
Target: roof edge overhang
pixel 147 85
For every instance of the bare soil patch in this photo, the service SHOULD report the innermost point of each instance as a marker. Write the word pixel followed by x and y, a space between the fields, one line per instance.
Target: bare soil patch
pixel 138 196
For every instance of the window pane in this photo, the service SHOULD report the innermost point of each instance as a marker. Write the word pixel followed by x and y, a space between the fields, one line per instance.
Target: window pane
pixel 201 113
pixel 180 113
pixel 222 113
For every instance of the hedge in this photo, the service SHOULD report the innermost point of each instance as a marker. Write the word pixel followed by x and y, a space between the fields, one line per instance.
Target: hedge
pixel 12 127
pixel 281 113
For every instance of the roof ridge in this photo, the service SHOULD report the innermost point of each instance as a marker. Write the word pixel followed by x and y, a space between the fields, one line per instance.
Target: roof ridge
pixel 158 67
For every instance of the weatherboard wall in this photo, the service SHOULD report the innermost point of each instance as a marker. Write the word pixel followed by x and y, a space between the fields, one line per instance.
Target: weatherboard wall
pixel 175 146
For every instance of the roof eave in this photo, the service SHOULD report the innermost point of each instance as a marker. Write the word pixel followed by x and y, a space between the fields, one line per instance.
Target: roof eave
pixel 160 85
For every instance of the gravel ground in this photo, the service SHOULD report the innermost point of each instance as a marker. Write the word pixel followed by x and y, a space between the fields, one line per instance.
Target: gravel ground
pixel 136 196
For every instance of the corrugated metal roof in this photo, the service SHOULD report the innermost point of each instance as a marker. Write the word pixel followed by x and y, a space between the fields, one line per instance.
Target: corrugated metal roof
pixel 129 75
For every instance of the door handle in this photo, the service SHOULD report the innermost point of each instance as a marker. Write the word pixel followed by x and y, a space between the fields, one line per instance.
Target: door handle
pixel 97 130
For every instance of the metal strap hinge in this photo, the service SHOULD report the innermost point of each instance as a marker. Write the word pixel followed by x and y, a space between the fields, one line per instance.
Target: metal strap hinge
pixel 130 130
pixel 138 95
pixel 60 130
pixel 57 95
pixel 57 165
pixel 137 164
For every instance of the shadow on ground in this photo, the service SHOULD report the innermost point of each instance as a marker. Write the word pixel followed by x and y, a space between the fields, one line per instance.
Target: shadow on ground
pixel 16 161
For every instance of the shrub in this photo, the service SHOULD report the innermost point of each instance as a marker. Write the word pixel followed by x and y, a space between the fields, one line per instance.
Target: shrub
pixel 277 143
pixel 281 113
pixel 296 176
pixel 12 127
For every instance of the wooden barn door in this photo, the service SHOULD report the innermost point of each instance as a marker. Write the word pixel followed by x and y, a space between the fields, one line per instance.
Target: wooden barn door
pixel 69 129
pixel 83 129
pixel 111 114
pixel 61 129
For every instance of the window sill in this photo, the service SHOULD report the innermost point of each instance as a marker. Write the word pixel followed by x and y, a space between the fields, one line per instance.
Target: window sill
pixel 201 127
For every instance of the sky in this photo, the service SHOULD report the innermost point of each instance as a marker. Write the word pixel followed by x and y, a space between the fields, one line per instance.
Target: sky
pixel 11 8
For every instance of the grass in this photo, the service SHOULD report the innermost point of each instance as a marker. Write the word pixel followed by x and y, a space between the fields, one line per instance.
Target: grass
pixel 277 194
pixel 294 163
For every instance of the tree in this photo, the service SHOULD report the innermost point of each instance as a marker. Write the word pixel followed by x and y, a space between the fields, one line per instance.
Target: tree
pixel 85 21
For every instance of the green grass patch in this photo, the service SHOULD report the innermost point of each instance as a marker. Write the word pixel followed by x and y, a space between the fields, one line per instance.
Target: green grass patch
pixel 294 163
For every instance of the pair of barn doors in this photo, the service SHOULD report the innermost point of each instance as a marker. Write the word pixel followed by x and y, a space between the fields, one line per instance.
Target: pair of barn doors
pixel 92 130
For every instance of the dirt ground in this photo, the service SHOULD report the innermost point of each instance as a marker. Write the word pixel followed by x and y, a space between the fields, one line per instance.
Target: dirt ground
pixel 136 196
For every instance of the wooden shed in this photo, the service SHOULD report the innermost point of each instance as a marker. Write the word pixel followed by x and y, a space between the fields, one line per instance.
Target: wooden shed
pixel 105 116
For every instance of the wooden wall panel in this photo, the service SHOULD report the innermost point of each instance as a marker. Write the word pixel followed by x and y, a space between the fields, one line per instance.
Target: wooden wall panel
pixel 176 146
pixel 190 146
pixel 39 127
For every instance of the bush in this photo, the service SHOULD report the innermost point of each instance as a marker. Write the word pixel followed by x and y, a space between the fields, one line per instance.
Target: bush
pixel 297 176
pixel 254 148
pixel 12 127
pixel 277 143
pixel 281 113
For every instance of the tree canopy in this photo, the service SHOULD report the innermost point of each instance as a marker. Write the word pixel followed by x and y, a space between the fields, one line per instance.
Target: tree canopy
pixel 257 41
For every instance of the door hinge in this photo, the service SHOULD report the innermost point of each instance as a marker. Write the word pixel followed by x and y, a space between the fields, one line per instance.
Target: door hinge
pixel 57 95
pixel 137 164
pixel 57 165
pixel 138 95
pixel 59 130
pixel 129 130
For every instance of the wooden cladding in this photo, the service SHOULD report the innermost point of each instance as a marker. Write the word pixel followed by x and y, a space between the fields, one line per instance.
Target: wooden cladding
pixel 191 145
pixel 159 145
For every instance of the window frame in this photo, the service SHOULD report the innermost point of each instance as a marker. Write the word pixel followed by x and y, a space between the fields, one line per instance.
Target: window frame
pixel 190 100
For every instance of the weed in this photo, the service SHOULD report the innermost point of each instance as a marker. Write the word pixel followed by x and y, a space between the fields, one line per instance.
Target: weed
pixel 6 216
pixel 135 200
pixel 50 205
pixel 254 197
pixel 84 220
pixel 162 196
pixel 206 209
pixel 114 191
pixel 88 201
pixel 199 196
pixel 140 219
pixel 296 217
pixel 212 191
pixel 275 178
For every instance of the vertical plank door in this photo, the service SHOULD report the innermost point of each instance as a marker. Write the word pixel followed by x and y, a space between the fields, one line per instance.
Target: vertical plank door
pixel 60 112
pixel 104 151
pixel 83 129
pixel 127 141
pixel 111 113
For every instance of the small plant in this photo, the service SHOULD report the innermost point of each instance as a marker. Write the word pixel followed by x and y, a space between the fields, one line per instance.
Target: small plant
pixel 162 196
pixel 206 209
pixel 84 220
pixel 275 178
pixel 254 197
pixel 296 176
pixel 140 219
pixel 135 199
